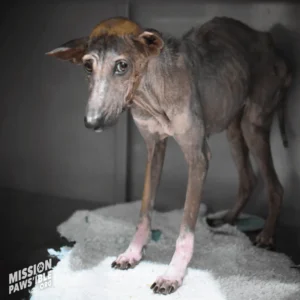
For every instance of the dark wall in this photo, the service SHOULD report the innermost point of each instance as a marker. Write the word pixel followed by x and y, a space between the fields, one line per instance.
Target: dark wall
pixel 45 147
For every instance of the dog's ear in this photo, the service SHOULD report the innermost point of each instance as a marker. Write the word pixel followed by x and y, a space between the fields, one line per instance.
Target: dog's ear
pixel 72 51
pixel 152 40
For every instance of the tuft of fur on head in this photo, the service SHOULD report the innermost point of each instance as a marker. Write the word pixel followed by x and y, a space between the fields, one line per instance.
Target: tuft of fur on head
pixel 112 29
pixel 117 26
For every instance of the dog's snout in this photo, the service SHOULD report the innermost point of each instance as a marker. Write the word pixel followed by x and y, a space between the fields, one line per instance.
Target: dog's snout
pixel 92 122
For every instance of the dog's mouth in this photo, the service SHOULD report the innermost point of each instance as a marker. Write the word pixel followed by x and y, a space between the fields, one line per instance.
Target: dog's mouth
pixel 106 123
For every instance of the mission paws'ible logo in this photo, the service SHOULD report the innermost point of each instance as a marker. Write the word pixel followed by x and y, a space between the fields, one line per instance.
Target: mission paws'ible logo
pixel 39 274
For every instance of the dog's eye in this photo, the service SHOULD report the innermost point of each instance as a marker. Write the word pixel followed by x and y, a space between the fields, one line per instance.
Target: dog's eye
pixel 121 67
pixel 88 66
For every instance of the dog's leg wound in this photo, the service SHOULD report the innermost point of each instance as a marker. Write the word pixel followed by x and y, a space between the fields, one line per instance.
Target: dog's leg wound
pixel 197 159
pixel 131 257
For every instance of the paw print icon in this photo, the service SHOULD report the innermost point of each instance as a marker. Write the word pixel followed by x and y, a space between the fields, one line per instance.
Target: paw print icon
pixel 40 267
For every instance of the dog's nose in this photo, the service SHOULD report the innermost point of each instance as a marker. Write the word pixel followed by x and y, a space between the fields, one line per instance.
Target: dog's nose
pixel 92 122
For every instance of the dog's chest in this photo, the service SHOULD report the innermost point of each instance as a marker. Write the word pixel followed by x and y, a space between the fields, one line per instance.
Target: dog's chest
pixel 154 126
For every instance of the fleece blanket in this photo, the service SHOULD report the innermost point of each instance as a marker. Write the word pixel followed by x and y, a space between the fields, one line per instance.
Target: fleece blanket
pixel 225 265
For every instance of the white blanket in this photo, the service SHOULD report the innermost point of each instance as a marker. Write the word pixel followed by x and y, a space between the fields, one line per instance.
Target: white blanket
pixel 225 265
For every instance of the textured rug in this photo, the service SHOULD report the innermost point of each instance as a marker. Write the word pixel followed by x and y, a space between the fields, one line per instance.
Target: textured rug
pixel 225 265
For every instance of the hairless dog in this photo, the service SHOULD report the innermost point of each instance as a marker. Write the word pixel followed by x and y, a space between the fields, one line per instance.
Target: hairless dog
pixel 220 76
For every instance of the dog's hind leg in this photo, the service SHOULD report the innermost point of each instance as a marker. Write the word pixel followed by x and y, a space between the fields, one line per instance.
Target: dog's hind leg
pixel 240 155
pixel 256 131
pixel 241 158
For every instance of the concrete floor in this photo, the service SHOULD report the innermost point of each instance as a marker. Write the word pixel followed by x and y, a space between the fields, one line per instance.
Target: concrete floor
pixel 29 228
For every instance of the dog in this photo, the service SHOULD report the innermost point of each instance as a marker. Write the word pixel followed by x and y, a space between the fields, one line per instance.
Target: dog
pixel 222 75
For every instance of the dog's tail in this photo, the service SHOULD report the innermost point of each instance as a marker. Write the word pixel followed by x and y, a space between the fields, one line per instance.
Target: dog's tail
pixel 281 110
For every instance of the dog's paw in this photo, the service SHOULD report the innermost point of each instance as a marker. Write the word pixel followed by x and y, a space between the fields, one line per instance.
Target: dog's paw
pixel 127 260
pixel 215 223
pixel 265 241
pixel 228 218
pixel 166 285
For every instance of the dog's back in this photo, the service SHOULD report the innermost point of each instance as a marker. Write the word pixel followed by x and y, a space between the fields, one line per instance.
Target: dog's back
pixel 240 64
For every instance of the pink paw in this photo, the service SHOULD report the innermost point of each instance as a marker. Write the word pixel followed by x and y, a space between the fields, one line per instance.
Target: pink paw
pixel 128 259
pixel 166 285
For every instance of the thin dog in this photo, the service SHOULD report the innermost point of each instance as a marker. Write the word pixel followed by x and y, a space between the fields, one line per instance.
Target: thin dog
pixel 220 76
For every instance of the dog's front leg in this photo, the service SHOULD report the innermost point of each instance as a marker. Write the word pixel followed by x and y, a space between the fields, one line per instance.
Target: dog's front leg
pixel 196 154
pixel 156 153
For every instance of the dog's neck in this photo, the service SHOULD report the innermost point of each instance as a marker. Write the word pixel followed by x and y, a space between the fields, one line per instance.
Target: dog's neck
pixel 160 83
